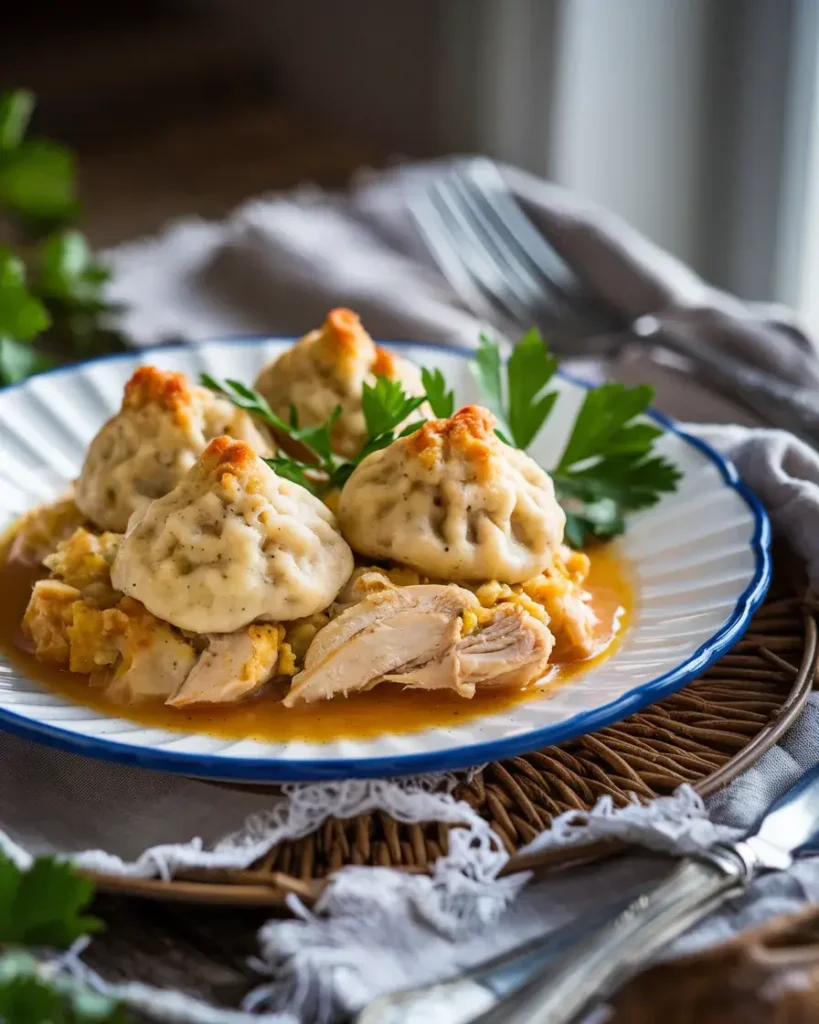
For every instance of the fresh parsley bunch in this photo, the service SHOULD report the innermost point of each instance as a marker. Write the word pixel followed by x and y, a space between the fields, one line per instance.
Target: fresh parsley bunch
pixel 44 907
pixel 311 461
pixel 56 308
pixel 607 467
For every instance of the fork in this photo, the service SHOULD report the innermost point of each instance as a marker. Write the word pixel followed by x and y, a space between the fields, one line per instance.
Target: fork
pixel 500 264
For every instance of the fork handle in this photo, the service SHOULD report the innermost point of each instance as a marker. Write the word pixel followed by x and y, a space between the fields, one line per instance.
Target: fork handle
pixel 779 402
pixel 597 966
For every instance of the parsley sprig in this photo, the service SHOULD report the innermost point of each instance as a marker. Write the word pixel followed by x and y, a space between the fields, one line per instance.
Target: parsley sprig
pixel 311 461
pixel 441 401
pixel 45 907
pixel 607 467
pixel 55 310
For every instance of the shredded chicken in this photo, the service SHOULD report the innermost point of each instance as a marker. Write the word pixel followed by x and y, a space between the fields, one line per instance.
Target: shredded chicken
pixel 381 634
pixel 234 666
pixel 414 636
pixel 154 659
pixel 512 649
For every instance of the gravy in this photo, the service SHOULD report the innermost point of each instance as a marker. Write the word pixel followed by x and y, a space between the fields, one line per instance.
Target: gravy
pixel 387 708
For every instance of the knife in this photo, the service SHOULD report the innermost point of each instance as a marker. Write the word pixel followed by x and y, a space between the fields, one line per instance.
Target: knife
pixel 598 965
pixel 458 1000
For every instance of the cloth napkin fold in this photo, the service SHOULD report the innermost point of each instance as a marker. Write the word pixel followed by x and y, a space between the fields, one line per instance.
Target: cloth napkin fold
pixel 276 267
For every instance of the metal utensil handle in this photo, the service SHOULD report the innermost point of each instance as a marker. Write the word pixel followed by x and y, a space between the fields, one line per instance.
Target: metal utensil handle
pixel 595 967
pixel 781 402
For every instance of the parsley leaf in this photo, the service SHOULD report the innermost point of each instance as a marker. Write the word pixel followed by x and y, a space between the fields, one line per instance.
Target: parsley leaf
pixel 441 401
pixel 16 109
pixel 487 370
pixel 607 467
pixel 38 181
pixel 529 370
pixel 385 405
pixel 44 905
pixel 68 273
pixel 526 405
pixel 22 316
pixel 34 993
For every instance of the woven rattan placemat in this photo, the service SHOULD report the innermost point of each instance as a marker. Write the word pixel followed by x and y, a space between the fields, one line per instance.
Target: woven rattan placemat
pixel 704 735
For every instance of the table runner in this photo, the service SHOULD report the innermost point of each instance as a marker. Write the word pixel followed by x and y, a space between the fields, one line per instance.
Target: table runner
pixel 275 267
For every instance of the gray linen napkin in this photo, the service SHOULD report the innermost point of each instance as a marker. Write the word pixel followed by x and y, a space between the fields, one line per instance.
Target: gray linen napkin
pixel 276 266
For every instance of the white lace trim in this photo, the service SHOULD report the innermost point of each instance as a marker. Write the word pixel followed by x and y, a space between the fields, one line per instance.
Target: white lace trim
pixel 370 922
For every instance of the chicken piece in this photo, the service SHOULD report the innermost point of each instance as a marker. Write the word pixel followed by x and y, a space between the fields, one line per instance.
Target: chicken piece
pixel 382 635
pixel 84 561
pixel 48 618
pixel 512 649
pixel 416 639
pixel 154 659
pixel 234 666
pixel 41 529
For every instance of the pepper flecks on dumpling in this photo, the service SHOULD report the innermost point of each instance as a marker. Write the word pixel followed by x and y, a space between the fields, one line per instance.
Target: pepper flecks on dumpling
pixel 454 502
pixel 231 544
pixel 327 368
pixel 144 451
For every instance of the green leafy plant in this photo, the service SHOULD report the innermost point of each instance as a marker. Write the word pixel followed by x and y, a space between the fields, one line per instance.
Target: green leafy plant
pixel 44 907
pixel 38 178
pixel 607 467
pixel 22 318
pixel 312 462
pixel 54 309
pixel 441 401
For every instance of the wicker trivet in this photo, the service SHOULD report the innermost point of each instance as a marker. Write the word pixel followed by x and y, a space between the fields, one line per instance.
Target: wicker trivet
pixel 705 735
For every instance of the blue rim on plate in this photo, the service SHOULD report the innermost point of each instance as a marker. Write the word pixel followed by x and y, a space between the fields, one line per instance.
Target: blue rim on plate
pixel 271 769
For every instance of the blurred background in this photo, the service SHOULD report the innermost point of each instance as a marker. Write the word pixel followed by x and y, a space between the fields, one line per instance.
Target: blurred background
pixel 696 120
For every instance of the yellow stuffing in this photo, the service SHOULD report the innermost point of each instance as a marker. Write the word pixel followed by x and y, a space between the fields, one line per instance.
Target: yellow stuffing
pixel 92 647
pixel 470 622
pixel 48 618
pixel 83 560
pixel 267 644
pixel 40 530
pixel 287 661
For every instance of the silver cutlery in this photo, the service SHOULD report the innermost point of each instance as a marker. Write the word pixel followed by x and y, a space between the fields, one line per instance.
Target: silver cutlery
pixel 597 966
pixel 472 993
pixel 554 979
pixel 500 264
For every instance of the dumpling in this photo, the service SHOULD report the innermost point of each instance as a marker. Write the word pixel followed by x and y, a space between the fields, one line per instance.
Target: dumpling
pixel 454 502
pixel 327 368
pixel 141 453
pixel 231 544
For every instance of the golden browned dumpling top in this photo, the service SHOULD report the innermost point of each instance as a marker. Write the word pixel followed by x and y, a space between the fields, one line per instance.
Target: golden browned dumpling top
pixel 327 368
pixel 231 544
pixel 454 502
pixel 141 453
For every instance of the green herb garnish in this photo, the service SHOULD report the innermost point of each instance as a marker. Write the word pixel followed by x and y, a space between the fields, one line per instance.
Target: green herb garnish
pixel 385 407
pixel 22 318
pixel 44 907
pixel 60 311
pixel 607 467
pixel 441 401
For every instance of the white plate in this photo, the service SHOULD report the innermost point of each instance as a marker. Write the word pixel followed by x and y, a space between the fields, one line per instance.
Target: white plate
pixel 700 560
